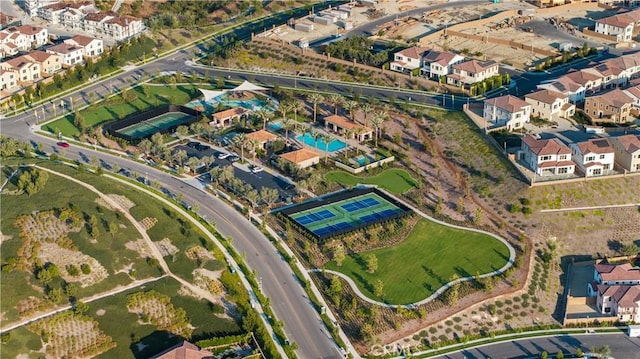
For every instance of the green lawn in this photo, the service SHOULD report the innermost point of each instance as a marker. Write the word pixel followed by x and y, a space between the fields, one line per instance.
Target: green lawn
pixel 116 107
pixel 424 261
pixel 393 180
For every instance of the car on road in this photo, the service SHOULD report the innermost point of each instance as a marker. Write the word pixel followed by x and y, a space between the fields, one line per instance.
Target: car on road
pixel 257 169
pixel 223 155
pixel 234 158
pixel 63 144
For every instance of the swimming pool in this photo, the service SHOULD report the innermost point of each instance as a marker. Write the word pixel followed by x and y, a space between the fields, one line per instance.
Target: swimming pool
pixel 364 160
pixel 274 126
pixel 334 145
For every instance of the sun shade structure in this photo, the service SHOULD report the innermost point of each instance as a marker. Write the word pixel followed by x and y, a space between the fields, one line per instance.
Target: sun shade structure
pixel 209 94
pixel 248 86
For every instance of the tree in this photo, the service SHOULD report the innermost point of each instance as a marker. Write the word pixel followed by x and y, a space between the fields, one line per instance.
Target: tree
pixel 268 195
pixel 295 107
pixel 630 250
pixel 351 106
pixel 326 139
pixel 366 109
pixel 453 294
pixel 253 197
pixel 182 130
pixel 315 98
pixel 145 146
pixel 240 140
pixel 560 355
pixel 93 226
pixel 378 288
pixel 78 121
pixel 376 121
pixel 339 254
pixel 80 308
pixel 287 124
pixel 335 100
pixel 544 355
pixel 253 145
pixel 372 263
pixel 113 228
pixel 265 115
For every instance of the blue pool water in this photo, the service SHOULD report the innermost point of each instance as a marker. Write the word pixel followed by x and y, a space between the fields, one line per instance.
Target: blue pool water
pixel 274 126
pixel 334 145
pixel 362 160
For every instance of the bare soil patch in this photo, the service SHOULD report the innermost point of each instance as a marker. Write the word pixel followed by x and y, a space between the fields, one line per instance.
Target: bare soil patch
pixel 123 201
pixel 165 247
pixel 156 309
pixel 140 246
pixel 62 257
pixel 148 222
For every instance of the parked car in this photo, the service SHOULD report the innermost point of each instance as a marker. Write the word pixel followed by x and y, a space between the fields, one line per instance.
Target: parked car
pixel 257 169
pixel 63 144
pixel 234 158
pixel 223 155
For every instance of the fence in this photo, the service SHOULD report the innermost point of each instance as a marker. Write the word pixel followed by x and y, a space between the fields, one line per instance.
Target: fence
pixel 599 35
pixel 365 167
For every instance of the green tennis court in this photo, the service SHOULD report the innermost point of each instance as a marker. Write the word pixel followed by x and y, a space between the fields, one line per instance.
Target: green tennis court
pixel 345 215
pixel 155 124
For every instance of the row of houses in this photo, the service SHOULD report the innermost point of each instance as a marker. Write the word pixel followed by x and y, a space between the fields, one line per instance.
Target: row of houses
pixel 594 157
pixel 458 70
pixel 26 69
pixel 616 72
pixel 85 17
pixel 549 3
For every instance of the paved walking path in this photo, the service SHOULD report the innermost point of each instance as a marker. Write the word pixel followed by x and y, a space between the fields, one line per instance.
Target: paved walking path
pixel 589 208
pixel 441 290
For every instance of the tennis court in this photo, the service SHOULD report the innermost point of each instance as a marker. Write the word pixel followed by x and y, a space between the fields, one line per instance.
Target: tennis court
pixel 347 214
pixel 156 124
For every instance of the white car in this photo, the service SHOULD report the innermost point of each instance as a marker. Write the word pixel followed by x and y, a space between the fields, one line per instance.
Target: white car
pixel 257 169
pixel 223 155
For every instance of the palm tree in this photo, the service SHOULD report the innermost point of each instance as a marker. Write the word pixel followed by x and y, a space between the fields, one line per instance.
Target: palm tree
pixel 287 123
pixel 366 109
pixel 315 135
pixel 315 98
pixel 295 107
pixel 376 121
pixel 265 115
pixel 326 139
pixel 283 108
pixel 253 146
pixel 240 140
pixel 351 107
pixel 335 100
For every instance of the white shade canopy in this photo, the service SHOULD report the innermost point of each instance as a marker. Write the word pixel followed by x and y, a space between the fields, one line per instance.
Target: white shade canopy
pixel 248 86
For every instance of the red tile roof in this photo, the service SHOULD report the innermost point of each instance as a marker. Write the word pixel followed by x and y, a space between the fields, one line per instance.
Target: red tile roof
pixel 546 96
pixel 414 52
pixel 615 98
pixel 546 147
pixel 300 155
pixel 630 143
pixel 617 272
pixel 595 145
pixel 621 21
pixel 508 103
pixel 82 40
pixel 475 66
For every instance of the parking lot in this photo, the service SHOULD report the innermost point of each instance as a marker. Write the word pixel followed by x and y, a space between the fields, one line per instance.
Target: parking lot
pixel 285 188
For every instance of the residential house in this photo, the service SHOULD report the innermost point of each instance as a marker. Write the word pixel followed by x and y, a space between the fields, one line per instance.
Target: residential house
pixel 93 22
pixel 348 129
pixel 566 86
pixel 71 54
pixel 91 47
pixel 262 138
pixel 15 39
pixel 472 71
pixel 27 69
pixel 619 26
pixel 303 157
pixel 594 157
pixel 36 36
pixel 51 13
pixel 66 14
pixel 8 49
pixel 546 157
pixel 184 350
pixel 508 111
pixel 436 64
pixel 123 27
pixel 634 93
pixel 8 80
pixel 610 107
pixel 627 152
pixel 407 60
pixel 617 291
pixel 549 105
pixel 50 63
pixel 32 7
pixel 72 17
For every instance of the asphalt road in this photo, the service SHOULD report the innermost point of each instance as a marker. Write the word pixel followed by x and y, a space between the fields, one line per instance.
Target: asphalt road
pixel 622 347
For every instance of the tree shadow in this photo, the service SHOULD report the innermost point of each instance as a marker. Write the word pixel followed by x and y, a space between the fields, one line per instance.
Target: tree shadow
pixel 615 245
pixel 153 344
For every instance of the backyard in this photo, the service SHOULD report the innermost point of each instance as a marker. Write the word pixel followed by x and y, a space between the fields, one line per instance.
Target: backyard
pixel 394 180
pixel 427 259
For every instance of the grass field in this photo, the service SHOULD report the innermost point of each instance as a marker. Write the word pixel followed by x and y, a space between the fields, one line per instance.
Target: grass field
pixel 133 339
pixel 108 249
pixel 117 108
pixel 393 180
pixel 424 261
